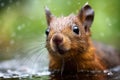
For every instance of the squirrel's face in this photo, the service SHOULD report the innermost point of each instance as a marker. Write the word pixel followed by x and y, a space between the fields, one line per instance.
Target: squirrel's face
pixel 69 35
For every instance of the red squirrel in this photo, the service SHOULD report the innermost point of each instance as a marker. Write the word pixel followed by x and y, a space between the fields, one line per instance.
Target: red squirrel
pixel 70 46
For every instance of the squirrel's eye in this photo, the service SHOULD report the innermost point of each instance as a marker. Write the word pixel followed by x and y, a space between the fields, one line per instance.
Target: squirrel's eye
pixel 47 31
pixel 76 29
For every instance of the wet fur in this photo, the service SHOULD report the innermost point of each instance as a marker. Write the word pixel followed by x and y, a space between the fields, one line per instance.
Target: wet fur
pixel 80 53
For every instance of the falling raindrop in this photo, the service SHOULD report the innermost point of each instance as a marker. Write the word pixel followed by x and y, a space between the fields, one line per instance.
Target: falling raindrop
pixel 19 27
pixel 10 1
pixel 12 42
pixel 102 34
pixel 2 4
pixel 13 34
pixel 78 2
pixel 108 22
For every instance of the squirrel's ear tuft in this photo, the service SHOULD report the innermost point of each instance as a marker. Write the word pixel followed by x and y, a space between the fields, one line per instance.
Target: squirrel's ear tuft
pixel 48 15
pixel 86 16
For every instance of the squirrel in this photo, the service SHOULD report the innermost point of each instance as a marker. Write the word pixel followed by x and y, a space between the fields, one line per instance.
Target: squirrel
pixel 71 49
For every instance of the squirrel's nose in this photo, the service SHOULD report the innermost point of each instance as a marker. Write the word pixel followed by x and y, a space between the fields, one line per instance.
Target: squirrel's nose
pixel 57 39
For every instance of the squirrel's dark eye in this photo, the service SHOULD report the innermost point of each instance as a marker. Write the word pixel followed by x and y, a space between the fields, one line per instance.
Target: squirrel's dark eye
pixel 76 29
pixel 47 31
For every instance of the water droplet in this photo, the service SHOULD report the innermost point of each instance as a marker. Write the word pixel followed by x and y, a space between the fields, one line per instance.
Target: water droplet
pixel 12 42
pixel 13 34
pixel 102 34
pixel 108 22
pixel 10 1
pixel 109 73
pixel 19 27
pixel 2 4
pixel 78 2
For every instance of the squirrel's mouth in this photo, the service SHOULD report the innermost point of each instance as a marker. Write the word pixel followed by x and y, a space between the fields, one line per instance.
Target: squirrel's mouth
pixel 60 50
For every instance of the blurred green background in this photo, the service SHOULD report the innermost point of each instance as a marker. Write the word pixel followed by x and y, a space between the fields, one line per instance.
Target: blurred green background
pixel 23 21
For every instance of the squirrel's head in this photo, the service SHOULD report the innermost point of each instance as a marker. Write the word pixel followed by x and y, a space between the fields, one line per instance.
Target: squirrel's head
pixel 69 35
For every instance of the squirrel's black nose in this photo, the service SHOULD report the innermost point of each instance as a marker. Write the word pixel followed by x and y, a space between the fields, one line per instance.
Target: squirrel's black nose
pixel 57 39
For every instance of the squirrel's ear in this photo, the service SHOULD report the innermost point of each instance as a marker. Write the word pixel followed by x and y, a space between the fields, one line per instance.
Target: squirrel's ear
pixel 48 15
pixel 86 16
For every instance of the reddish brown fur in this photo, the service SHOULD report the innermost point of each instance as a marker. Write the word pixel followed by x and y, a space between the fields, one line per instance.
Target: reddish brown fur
pixel 78 50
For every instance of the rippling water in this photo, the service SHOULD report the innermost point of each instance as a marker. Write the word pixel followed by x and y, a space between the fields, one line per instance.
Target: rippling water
pixel 15 69
pixel 33 65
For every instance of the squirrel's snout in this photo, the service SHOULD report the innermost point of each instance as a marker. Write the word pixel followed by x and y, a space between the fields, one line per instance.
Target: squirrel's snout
pixel 60 43
pixel 57 39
